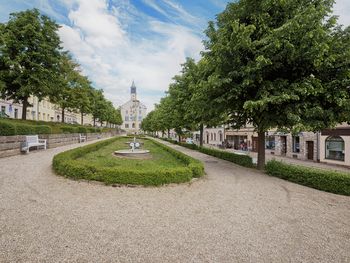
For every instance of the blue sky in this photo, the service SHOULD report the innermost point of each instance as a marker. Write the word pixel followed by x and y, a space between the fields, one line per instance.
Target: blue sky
pixel 118 41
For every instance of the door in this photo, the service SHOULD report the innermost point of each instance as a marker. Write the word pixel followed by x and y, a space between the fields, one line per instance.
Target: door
pixel 254 144
pixel 283 145
pixel 310 150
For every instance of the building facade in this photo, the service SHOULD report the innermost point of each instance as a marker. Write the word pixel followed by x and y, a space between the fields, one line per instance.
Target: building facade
pixel 133 112
pixel 42 110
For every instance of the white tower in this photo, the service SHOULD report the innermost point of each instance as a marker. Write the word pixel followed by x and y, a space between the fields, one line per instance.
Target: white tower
pixel 133 91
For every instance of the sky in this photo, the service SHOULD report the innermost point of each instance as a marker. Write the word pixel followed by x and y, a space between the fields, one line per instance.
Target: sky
pixel 120 41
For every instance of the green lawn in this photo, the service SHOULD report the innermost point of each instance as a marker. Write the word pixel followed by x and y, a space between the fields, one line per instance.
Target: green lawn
pixel 97 162
pixel 104 157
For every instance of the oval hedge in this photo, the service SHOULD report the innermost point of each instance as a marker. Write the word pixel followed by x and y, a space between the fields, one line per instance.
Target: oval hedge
pixel 66 164
pixel 325 180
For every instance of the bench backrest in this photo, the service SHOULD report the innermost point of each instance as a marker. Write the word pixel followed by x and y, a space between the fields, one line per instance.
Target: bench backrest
pixel 32 139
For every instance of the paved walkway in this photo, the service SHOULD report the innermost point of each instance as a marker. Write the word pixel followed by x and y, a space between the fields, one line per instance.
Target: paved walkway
pixel 233 214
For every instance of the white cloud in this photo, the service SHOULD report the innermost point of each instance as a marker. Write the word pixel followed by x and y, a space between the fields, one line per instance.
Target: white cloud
pixel 342 9
pixel 112 58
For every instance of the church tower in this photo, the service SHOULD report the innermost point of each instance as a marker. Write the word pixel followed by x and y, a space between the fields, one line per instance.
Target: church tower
pixel 133 91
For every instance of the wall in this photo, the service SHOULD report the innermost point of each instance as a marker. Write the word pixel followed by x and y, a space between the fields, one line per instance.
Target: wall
pixel 10 145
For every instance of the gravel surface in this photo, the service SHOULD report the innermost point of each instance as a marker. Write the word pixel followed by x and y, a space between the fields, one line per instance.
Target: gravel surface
pixel 233 214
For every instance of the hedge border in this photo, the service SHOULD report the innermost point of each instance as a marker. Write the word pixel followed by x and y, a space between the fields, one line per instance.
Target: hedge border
pixel 65 164
pixel 242 160
pixel 325 180
pixel 9 127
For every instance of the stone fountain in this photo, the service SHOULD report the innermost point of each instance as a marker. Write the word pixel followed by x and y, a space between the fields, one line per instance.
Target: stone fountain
pixel 134 150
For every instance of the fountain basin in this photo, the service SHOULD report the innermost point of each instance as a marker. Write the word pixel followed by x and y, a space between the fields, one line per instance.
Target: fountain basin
pixel 137 153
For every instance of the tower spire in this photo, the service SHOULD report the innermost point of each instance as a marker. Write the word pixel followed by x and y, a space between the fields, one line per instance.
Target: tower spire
pixel 133 90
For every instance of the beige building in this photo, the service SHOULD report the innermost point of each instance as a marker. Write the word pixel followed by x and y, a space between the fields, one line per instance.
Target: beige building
pixel 42 110
pixel 133 112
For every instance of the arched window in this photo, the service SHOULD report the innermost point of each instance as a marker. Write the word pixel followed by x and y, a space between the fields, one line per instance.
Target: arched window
pixel 133 125
pixel 335 148
pixel 211 136
pixel 220 136
pixel 214 136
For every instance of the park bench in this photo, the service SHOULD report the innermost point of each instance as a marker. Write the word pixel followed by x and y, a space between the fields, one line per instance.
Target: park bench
pixel 82 138
pixel 33 141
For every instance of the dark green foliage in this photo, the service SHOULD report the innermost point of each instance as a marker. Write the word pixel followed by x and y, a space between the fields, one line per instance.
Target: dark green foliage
pixel 243 160
pixel 82 130
pixel 7 129
pixel 325 180
pixel 69 129
pixel 24 129
pixel 42 129
pixel 68 164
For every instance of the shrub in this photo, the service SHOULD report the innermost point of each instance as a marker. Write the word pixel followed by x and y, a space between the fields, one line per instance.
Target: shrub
pixel 68 164
pixel 82 130
pixel 243 160
pixel 329 181
pixel 7 129
pixel 69 129
pixel 24 129
pixel 42 129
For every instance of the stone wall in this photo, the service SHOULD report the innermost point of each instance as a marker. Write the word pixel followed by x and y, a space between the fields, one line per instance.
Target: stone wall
pixel 10 145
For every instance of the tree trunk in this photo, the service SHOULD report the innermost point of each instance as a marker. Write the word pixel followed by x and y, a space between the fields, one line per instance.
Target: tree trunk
pixel 62 115
pixel 168 133
pixel 94 122
pixel 201 130
pixel 261 150
pixel 24 108
pixel 82 119
pixel 179 138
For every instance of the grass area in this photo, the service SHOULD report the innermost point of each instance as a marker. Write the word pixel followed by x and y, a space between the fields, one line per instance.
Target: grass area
pixel 104 157
pixel 97 162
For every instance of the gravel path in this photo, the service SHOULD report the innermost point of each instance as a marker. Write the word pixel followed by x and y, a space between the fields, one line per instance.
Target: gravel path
pixel 233 214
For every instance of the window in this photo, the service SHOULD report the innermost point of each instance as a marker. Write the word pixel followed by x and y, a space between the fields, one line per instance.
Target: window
pixel 220 136
pixel 296 144
pixel 126 126
pixel 16 113
pixel 270 142
pixel 126 118
pixel 3 109
pixel 133 125
pixel 214 136
pixel 335 148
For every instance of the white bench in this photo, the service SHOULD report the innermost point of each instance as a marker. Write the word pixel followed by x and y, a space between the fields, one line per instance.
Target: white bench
pixel 34 141
pixel 82 138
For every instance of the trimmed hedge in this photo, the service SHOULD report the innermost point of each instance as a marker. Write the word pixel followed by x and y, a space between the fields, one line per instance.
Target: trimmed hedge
pixel 8 128
pixel 42 129
pixel 82 130
pixel 68 129
pixel 66 164
pixel 325 180
pixel 243 160
pixel 23 129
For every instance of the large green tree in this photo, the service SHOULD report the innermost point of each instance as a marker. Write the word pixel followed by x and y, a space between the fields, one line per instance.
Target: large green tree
pixel 29 57
pixel 278 64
